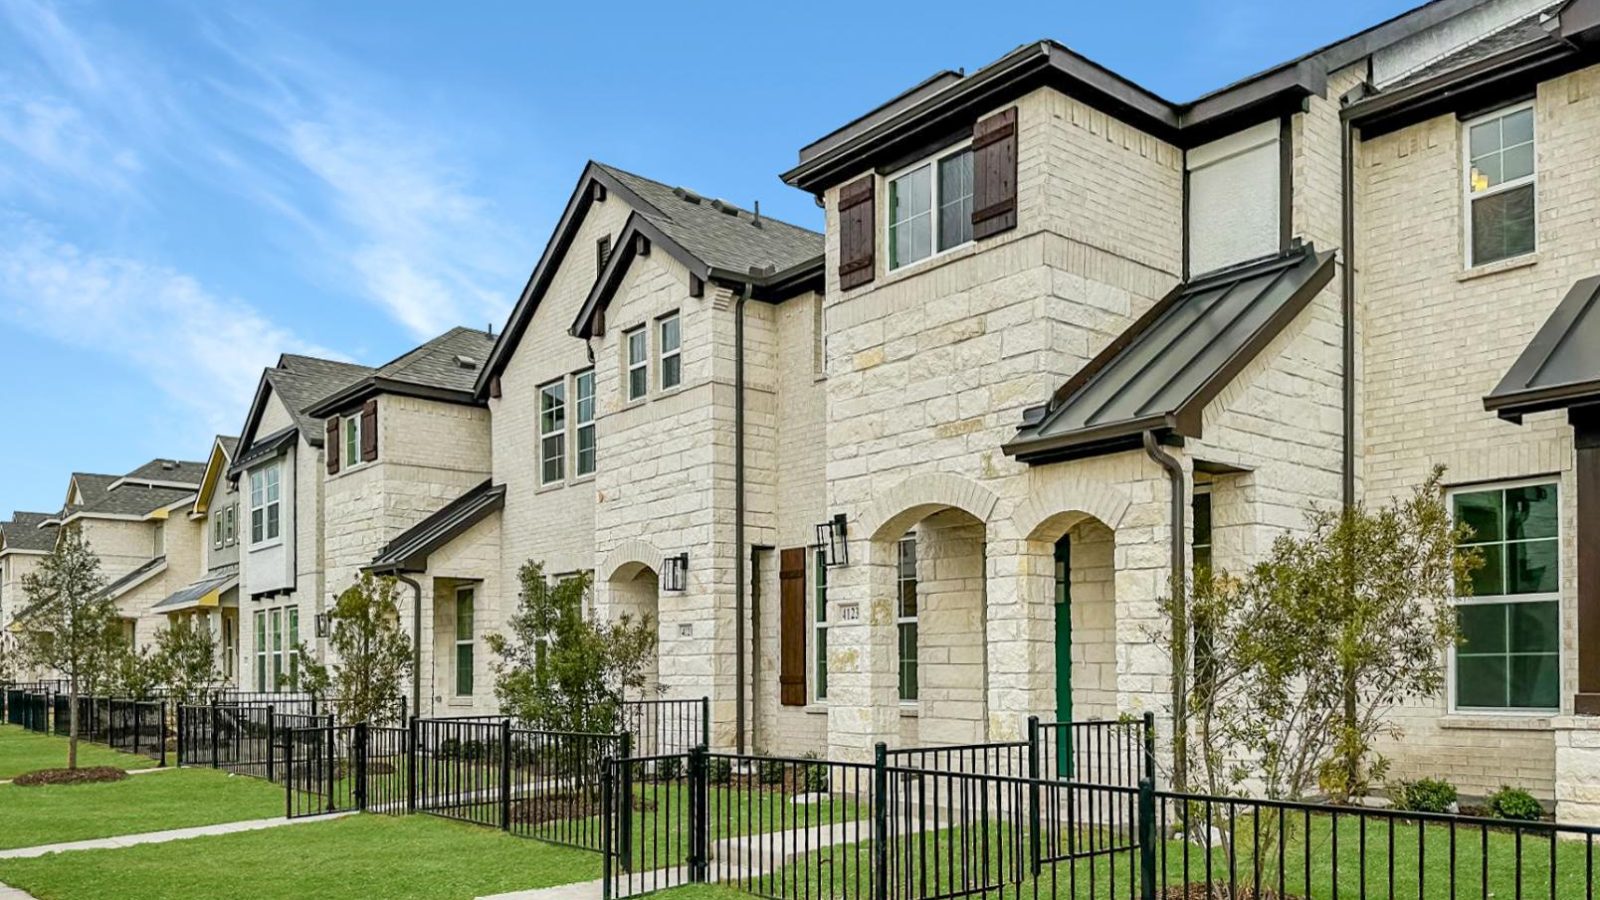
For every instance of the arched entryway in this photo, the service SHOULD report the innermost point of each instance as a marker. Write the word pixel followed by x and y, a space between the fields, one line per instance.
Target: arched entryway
pixel 634 590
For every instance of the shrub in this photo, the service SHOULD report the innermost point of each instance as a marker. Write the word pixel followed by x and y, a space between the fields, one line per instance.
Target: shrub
pixel 668 768
pixel 1429 795
pixel 770 771
pixel 1514 803
pixel 721 771
pixel 816 775
pixel 449 748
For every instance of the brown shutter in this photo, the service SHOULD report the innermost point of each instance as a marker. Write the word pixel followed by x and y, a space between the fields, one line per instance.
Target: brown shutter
pixel 369 430
pixel 792 627
pixel 331 445
pixel 994 174
pixel 857 233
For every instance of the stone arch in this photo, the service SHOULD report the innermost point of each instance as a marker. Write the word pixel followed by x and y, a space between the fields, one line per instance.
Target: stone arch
pixel 913 499
pixel 627 559
pixel 1057 506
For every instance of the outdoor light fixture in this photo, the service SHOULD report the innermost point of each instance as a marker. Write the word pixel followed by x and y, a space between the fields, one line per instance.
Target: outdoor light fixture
pixel 831 538
pixel 675 572
pixel 322 625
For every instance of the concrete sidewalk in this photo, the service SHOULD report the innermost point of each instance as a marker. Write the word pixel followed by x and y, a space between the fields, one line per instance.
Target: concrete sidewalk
pixel 161 837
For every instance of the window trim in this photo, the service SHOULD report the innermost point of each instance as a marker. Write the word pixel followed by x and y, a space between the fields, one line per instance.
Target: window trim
pixel 675 353
pixel 579 424
pixel 560 458
pixel 1514 712
pixel 628 365
pixel 1468 263
pixel 932 159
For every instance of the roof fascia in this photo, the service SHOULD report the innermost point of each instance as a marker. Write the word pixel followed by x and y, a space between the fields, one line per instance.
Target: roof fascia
pixel 216 466
pixel 345 400
pixel 622 256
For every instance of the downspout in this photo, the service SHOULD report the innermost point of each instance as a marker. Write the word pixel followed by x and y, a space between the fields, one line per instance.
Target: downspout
pixel 1180 613
pixel 1347 301
pixel 738 517
pixel 416 640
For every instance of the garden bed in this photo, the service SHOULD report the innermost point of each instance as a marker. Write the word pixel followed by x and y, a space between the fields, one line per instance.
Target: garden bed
pixel 81 775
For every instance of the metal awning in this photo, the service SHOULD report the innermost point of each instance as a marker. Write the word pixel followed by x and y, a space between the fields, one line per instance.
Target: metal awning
pixel 410 549
pixel 1560 367
pixel 203 594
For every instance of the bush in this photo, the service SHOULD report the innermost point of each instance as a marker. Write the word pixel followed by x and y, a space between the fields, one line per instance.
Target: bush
pixel 816 775
pixel 721 771
pixel 770 771
pixel 1514 803
pixel 668 768
pixel 1429 795
pixel 449 748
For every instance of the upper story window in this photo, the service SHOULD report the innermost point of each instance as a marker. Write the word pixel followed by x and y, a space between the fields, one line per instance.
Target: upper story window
pixel 637 342
pixel 229 529
pixel 352 441
pixel 553 432
pixel 1500 185
pixel 159 540
pixel 1509 657
pixel 217 524
pixel 583 397
pixel 265 505
pixel 671 352
pixel 930 208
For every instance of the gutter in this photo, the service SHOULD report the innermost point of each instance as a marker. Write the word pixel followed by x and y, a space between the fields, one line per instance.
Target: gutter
pixel 738 515
pixel 1180 612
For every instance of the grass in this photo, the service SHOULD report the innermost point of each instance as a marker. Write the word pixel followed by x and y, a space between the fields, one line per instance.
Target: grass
pixel 353 858
pixel 180 798
pixel 24 751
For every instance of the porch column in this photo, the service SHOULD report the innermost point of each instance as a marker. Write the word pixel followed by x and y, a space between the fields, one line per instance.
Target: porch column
pixel 1021 638
pixel 863 687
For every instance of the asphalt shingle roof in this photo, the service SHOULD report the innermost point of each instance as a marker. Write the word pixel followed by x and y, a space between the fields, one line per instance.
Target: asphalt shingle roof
pixel 300 381
pixel 136 500
pixel 23 532
pixel 92 487
pixel 723 240
pixel 230 445
pixel 175 470
pixel 1523 31
pixel 450 362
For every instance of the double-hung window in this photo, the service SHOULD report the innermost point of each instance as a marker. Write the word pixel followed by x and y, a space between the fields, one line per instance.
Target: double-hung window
pixel 1509 657
pixel 261 651
pixel 671 355
pixel 906 616
pixel 464 626
pixel 583 397
pixel 216 530
pixel 265 506
pixel 352 441
pixel 638 347
pixel 819 591
pixel 1500 185
pixel 229 534
pixel 553 432
pixel 930 208
pixel 277 649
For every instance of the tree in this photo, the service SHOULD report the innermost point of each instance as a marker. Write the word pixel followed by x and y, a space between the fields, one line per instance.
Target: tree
pixel 71 626
pixel 134 672
pixel 1299 662
pixel 186 660
pixel 371 654
pixel 561 669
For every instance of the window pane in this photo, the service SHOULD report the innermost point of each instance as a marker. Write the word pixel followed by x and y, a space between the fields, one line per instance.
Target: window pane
pixel 908 599
pixel 463 669
pixel 636 346
pixel 908 661
pixel 585 449
pixel 584 384
pixel 464 624
pixel 638 380
pixel 822 663
pixel 272 521
pixel 1489 580
pixel 1536 681
pixel 1483 628
pixel 553 458
pixel 1532 568
pixel 1517 162
pixel 1483 512
pixel 552 408
pixel 1531 512
pixel 256 533
pixel 671 371
pixel 1486 172
pixel 955 200
pixel 1481 681
pixel 1516 128
pixel 910 241
pixel 1534 627
pixel 1502 225
pixel 911 217
pixel 1485 138
pixel 669 334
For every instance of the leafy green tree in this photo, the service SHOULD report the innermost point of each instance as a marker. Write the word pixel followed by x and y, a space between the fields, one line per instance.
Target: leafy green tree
pixel 186 660
pixel 562 669
pixel 135 672
pixel 371 655
pixel 70 626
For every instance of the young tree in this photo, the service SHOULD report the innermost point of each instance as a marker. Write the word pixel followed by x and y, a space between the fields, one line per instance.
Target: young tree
pixel 70 626
pixel 371 654
pixel 134 673
pixel 186 660
pixel 561 669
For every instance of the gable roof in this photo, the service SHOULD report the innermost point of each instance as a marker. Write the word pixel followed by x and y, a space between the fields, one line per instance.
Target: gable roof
pixel 444 368
pixel 1560 367
pixel 91 486
pixel 720 237
pixel 223 449
pixel 409 551
pixel 1161 372
pixel 299 381
pixel 27 532
pixel 134 500
pixel 146 571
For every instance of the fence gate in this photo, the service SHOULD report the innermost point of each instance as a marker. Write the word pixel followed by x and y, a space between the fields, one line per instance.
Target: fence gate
pixel 323 771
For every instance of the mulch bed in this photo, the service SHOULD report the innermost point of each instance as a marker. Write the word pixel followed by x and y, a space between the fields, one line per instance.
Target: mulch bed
pixel 86 775
pixel 565 805
pixel 1214 891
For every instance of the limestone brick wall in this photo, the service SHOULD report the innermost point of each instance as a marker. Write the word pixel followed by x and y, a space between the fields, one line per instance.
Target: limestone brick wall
pixel 121 544
pixel 473 558
pixel 1437 338
pixel 1092 581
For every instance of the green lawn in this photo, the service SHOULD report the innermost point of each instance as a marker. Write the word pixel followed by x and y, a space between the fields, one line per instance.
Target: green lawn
pixel 357 857
pixel 27 751
pixel 179 798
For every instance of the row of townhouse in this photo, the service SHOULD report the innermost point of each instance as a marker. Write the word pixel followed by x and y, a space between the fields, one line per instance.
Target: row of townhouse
pixel 932 471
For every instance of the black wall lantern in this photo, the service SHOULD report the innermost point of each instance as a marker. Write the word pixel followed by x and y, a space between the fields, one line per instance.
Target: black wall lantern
pixel 675 572
pixel 831 538
pixel 322 625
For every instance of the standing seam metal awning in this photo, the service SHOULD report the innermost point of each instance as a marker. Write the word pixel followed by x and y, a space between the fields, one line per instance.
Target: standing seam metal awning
pixel 204 594
pixel 1560 367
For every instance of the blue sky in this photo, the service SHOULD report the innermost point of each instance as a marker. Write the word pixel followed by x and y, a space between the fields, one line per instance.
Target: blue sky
pixel 188 190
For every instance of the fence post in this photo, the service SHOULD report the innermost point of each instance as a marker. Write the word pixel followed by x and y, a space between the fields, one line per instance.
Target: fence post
pixel 699 853
pixel 333 767
pixel 880 822
pixel 411 765
pixel 608 820
pixel 705 721
pixel 288 779
pixel 271 739
pixel 182 733
pixel 1147 839
pixel 163 729
pixel 1033 794
pixel 505 775
pixel 215 762
pixel 625 808
pixel 1150 746
pixel 359 764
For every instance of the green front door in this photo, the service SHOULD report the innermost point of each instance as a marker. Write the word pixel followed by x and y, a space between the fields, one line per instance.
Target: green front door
pixel 1063 607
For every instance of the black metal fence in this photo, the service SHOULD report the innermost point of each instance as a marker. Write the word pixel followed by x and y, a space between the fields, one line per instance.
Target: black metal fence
pixel 667 727
pixel 28 709
pixel 244 739
pixel 345 768
pixel 1101 752
pixel 133 726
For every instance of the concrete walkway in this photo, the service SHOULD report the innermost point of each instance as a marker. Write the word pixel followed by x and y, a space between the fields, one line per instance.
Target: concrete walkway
pixel 161 837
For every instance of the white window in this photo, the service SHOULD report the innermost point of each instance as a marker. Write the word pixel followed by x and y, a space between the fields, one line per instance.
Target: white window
pixel 930 207
pixel 229 532
pixel 265 505
pixel 261 651
pixel 583 395
pixel 159 540
pixel 464 648
pixel 637 342
pixel 906 616
pixel 819 623
pixel 553 432
pixel 1500 186
pixel 216 530
pixel 671 357
pixel 1509 657
pixel 229 645
pixel 276 616
pixel 352 441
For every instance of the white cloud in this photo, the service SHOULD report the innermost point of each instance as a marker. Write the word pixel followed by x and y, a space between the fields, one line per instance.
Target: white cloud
pixel 202 351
